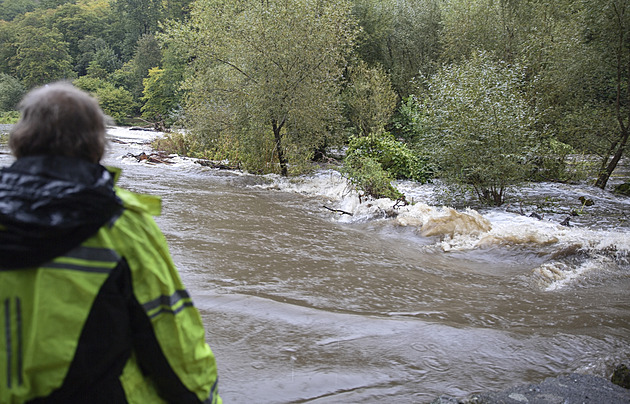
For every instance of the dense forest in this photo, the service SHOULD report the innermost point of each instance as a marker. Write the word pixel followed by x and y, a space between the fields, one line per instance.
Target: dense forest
pixel 482 94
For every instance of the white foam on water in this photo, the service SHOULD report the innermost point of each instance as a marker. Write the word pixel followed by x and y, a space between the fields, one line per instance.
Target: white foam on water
pixel 572 252
pixel 128 135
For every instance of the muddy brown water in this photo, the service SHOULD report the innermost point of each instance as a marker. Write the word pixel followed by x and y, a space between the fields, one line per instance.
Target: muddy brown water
pixel 302 307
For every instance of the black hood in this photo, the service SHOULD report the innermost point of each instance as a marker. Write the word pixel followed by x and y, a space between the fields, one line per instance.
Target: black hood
pixel 49 205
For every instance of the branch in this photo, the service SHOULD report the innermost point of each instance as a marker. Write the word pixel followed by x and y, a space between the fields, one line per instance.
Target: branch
pixel 343 212
pixel 236 68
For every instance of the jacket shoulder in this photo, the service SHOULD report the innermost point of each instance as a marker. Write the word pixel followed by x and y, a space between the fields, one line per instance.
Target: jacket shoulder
pixel 149 204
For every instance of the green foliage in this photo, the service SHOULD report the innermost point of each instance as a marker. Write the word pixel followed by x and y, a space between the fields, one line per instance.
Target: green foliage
pixel 262 67
pixel 116 102
pixel 159 99
pixel 97 54
pixel 368 176
pixel 368 98
pixel 549 162
pixel 9 117
pixel 137 18
pixel 79 21
pixel 11 92
pixel 176 143
pixel 147 56
pixel 37 62
pixel 402 36
pixel 12 8
pixel 477 126
pixel 393 156
pixel 162 88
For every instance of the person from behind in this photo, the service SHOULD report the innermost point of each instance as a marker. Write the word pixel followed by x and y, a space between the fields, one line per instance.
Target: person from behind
pixel 92 308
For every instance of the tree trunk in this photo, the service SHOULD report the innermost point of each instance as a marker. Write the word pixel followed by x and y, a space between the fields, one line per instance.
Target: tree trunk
pixel 605 174
pixel 278 137
pixel 618 147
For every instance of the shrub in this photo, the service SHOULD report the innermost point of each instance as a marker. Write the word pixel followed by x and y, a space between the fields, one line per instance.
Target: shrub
pixel 175 143
pixel 11 91
pixel 367 175
pixel 116 102
pixel 393 156
pixel 9 117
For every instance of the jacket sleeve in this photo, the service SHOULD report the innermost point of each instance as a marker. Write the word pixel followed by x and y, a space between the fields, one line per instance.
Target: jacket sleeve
pixel 169 338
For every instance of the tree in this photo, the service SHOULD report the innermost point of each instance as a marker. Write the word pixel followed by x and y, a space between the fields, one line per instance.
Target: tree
pixel 266 68
pixel 510 29
pixel 7 46
pixel 368 98
pixel 137 18
pixel 612 34
pixel 583 87
pixel 116 102
pixel 401 36
pixel 159 97
pixel 41 61
pixel 11 92
pixel 12 8
pixel 147 56
pixel 76 22
pixel 477 126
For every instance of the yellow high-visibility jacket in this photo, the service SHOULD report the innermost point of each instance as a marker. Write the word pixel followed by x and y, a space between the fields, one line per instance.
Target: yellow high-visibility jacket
pixel 92 308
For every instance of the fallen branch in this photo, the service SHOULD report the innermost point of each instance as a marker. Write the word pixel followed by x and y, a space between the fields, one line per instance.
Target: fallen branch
pixel 217 165
pixel 343 212
pixel 152 158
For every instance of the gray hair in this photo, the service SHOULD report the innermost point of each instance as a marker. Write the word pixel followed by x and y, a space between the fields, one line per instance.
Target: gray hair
pixel 59 119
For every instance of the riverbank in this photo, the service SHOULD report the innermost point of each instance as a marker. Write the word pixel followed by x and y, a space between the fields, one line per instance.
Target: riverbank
pixel 566 389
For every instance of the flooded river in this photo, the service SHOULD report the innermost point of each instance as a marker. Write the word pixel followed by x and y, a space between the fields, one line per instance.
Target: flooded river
pixel 305 305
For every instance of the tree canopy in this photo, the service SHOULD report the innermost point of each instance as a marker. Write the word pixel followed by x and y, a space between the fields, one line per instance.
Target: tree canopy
pixel 266 71
pixel 266 83
pixel 476 124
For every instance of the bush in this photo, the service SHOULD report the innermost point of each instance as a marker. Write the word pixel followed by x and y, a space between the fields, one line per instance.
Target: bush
pixel 369 99
pixel 11 92
pixel 9 117
pixel 116 102
pixel 367 175
pixel 176 143
pixel 393 156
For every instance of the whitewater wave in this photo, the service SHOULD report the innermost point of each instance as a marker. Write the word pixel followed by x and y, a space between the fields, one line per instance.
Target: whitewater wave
pixel 570 253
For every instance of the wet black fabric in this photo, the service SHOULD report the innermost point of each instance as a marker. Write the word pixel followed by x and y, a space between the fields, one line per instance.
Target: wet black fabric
pixel 49 205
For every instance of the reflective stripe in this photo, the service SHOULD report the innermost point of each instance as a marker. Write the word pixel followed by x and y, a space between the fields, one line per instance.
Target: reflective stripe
pixel 18 309
pixel 94 254
pixel 9 340
pixel 166 304
pixel 97 260
pixel 60 265
pixel 7 333
pixel 213 393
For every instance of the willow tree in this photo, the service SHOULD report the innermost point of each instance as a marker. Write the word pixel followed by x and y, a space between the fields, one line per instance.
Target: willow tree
pixel 265 73
pixel 611 34
pixel 401 36
pixel 475 123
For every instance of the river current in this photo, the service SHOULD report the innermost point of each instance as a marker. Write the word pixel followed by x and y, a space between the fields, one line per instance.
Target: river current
pixel 303 304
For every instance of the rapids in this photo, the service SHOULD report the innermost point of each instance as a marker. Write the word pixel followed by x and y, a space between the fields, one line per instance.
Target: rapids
pixel 397 304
